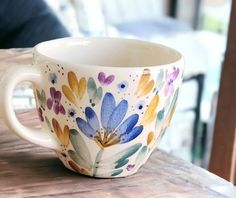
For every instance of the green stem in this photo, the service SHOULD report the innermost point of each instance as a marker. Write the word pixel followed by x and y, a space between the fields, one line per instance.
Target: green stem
pixel 97 161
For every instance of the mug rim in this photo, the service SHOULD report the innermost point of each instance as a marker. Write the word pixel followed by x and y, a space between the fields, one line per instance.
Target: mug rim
pixel 38 51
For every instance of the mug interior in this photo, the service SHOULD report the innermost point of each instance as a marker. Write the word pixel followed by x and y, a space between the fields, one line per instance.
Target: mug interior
pixel 112 52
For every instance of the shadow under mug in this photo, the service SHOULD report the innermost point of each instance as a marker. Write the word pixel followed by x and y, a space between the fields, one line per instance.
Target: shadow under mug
pixel 104 103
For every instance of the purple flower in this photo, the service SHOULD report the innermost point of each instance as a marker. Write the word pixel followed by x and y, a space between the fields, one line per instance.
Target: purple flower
pixel 130 167
pixel 105 80
pixel 170 78
pixel 54 101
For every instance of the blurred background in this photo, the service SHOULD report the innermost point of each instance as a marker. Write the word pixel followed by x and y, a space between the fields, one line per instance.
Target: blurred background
pixel 196 28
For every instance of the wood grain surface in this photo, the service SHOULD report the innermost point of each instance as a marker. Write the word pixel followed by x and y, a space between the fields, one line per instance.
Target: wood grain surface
pixel 223 156
pixel 27 170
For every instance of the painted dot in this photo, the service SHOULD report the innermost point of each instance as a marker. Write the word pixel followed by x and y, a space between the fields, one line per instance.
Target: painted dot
pixel 140 105
pixel 122 86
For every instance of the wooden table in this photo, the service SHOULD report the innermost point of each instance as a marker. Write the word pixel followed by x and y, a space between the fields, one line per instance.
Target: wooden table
pixel 27 170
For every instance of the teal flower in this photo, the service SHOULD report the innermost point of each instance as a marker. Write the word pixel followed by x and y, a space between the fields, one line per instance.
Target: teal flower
pixel 113 129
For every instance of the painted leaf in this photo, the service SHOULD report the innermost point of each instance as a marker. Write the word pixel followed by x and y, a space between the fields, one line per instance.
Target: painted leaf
pixel 120 159
pixel 116 172
pixel 69 94
pixel 41 98
pixel 150 113
pixel 48 123
pixel 92 88
pixel 81 154
pixel 171 110
pixel 143 80
pixel 160 77
pixel 141 155
pixel 82 87
pixel 73 82
pixel 97 96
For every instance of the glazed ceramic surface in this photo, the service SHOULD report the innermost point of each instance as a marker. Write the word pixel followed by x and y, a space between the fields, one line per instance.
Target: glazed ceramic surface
pixel 104 103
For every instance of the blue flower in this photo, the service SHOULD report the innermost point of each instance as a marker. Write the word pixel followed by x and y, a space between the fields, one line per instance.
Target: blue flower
pixel 122 86
pixel 113 129
pixel 52 78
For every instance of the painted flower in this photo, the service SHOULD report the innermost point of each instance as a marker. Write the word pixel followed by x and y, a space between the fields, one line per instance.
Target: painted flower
pixel 71 112
pixel 130 167
pixel 52 78
pixel 76 89
pixel 114 129
pixel 170 78
pixel 122 86
pixel 40 114
pixel 55 101
pixel 105 80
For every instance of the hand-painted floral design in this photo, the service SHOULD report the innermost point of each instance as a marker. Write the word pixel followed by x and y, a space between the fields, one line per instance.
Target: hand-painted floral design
pixel 145 84
pixel 170 78
pixel 55 101
pixel 105 80
pixel 122 86
pixel 76 89
pixel 62 135
pixel 52 78
pixel 40 114
pixel 113 129
pixel 94 92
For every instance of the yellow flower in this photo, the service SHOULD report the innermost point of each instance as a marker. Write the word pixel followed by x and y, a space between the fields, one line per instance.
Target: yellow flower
pixel 76 88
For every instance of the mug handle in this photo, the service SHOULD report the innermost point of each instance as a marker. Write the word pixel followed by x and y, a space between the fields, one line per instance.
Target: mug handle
pixel 8 81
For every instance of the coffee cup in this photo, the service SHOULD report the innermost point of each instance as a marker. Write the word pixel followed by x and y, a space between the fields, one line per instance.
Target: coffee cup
pixel 104 103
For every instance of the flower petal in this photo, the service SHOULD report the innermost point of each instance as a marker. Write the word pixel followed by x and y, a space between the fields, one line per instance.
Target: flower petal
pixel 52 92
pixel 85 128
pixel 69 94
pixel 92 118
pixel 49 103
pixel 128 124
pixel 166 91
pixel 108 105
pixel 117 115
pixel 56 108
pixel 62 110
pixel 57 95
pixel 132 134
pixel 101 77
pixel 109 79
pixel 174 74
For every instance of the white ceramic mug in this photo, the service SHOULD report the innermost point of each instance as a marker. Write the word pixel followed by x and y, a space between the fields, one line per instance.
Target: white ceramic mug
pixel 104 103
